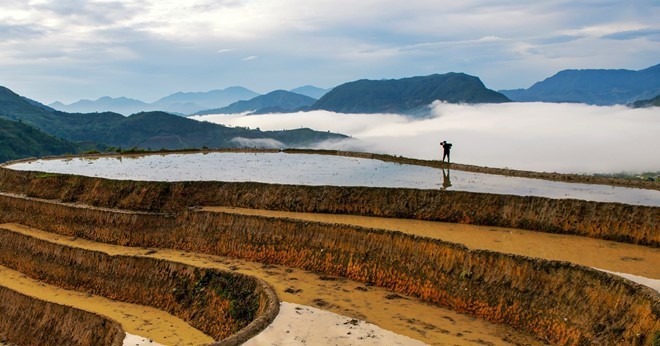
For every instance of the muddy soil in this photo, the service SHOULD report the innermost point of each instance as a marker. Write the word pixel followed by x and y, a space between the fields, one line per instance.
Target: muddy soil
pixel 135 319
pixel 616 257
pixel 395 312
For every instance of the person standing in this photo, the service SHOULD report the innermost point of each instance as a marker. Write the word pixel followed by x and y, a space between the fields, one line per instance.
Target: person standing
pixel 447 148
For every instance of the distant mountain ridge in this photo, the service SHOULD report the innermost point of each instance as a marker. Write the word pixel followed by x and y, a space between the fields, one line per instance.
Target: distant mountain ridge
pixel 407 95
pixel 179 103
pixel 593 86
pixel 121 105
pixel 311 91
pixel 191 102
pixel 278 101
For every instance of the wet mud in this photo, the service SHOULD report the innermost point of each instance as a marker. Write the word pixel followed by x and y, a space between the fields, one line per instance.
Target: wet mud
pixel 25 320
pixel 556 301
pixel 220 303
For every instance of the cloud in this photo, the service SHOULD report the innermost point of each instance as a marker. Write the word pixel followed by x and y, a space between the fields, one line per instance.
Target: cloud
pixel 267 143
pixel 20 31
pixel 556 39
pixel 251 57
pixel 87 12
pixel 533 136
pixel 114 46
pixel 652 34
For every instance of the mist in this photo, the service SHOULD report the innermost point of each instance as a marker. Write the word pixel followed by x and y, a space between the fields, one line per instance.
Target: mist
pixel 549 137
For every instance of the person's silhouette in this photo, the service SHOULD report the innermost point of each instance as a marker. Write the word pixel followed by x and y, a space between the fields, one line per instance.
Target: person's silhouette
pixel 446 182
pixel 447 147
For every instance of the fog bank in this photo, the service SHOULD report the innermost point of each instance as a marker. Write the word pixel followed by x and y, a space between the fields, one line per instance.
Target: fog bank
pixel 567 138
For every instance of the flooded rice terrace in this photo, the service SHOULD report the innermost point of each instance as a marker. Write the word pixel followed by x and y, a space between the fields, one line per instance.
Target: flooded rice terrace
pixel 309 169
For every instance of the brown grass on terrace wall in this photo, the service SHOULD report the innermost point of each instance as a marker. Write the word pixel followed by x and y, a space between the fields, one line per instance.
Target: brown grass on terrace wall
pixel 558 302
pixel 612 221
pixel 26 320
pixel 216 302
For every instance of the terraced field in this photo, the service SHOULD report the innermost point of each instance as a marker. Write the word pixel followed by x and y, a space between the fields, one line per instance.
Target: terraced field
pixel 194 262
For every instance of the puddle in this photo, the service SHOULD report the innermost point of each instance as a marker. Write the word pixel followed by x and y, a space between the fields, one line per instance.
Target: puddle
pixel 307 169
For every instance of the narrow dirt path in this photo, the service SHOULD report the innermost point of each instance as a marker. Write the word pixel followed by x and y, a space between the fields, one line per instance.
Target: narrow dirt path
pixel 145 321
pixel 603 254
pixel 402 315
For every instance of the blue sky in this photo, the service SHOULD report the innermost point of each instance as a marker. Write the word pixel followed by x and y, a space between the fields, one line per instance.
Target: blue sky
pixel 68 50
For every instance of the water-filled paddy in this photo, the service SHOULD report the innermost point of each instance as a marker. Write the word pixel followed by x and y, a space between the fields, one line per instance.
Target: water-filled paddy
pixel 307 169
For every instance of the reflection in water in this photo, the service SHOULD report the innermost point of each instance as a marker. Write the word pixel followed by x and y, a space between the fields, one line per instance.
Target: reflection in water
pixel 446 182
pixel 309 169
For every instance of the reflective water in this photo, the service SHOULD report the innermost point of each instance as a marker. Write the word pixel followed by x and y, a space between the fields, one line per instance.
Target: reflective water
pixel 306 169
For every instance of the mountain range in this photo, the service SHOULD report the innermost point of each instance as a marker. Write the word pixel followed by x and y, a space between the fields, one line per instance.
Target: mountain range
pixel 278 101
pixel 596 87
pixel 181 103
pixel 177 103
pixel 145 130
pixel 407 95
pixel 311 91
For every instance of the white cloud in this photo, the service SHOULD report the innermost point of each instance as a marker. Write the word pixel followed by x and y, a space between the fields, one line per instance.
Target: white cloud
pixel 535 136
pixel 267 143
pixel 324 42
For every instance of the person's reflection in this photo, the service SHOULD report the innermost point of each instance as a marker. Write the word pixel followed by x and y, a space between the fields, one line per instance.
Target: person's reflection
pixel 445 179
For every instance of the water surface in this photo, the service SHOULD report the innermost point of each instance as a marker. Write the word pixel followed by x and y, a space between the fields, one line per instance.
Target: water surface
pixel 309 169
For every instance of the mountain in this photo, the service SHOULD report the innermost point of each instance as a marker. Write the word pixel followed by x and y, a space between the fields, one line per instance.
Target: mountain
pixel 654 102
pixel 407 95
pixel 191 102
pixel 19 140
pixel 121 105
pixel 311 91
pixel 156 130
pixel 148 130
pixel 278 101
pixel 181 102
pixel 38 104
pixel 16 108
pixel 596 87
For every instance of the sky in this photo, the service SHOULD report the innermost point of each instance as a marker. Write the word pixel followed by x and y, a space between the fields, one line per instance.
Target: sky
pixel 547 137
pixel 66 50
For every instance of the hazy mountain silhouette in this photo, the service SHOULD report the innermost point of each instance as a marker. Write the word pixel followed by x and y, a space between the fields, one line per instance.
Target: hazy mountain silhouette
pixel 191 102
pixel 407 95
pixel 597 87
pixel 121 105
pixel 278 101
pixel 180 103
pixel 311 91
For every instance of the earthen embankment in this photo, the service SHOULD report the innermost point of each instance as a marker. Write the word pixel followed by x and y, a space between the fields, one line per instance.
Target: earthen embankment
pixel 558 302
pixel 25 320
pixel 221 304
pixel 612 221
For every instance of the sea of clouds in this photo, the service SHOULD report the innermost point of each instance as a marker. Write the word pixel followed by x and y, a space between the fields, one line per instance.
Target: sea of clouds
pixel 550 137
